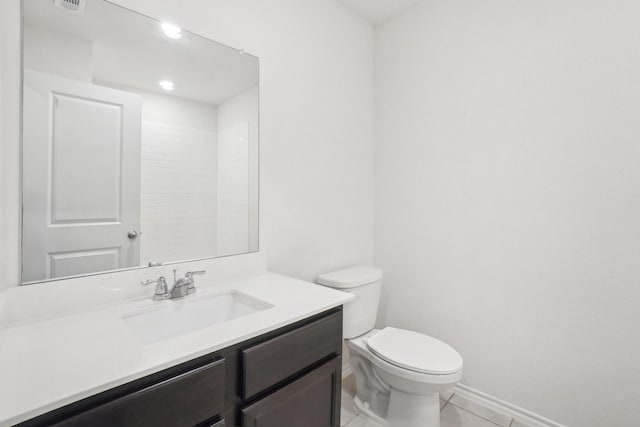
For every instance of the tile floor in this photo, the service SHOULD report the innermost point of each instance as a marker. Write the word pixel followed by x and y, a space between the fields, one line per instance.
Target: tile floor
pixel 455 412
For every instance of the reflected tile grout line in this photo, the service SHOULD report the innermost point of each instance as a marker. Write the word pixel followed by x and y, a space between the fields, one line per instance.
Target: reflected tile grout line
pixel 447 402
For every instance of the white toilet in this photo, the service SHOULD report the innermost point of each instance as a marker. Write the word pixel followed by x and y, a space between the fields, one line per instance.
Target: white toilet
pixel 398 373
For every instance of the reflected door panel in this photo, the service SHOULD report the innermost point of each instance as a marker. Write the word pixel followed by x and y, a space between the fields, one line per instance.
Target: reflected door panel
pixel 81 179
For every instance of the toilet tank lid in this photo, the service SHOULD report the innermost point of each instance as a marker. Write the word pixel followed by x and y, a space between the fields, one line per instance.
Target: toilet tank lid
pixel 350 277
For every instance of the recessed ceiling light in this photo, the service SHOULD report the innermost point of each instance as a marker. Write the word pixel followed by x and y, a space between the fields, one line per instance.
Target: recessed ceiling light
pixel 171 31
pixel 166 85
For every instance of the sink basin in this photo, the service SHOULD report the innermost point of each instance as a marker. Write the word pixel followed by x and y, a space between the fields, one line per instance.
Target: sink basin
pixel 171 318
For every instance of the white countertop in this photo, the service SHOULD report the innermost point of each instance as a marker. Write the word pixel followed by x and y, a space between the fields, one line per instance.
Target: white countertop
pixel 48 363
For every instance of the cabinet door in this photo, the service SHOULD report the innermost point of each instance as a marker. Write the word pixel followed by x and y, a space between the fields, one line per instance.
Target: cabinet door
pixel 274 361
pixel 185 400
pixel 311 401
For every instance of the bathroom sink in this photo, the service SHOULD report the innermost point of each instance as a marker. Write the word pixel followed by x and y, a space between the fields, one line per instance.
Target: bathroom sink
pixel 171 318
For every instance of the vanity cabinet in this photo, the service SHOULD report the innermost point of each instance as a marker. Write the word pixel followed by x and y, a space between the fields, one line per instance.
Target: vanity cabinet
pixel 286 378
pixel 185 399
pixel 309 401
pixel 281 357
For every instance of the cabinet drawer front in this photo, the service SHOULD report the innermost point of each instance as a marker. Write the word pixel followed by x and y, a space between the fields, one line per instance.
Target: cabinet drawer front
pixel 310 401
pixel 275 360
pixel 184 400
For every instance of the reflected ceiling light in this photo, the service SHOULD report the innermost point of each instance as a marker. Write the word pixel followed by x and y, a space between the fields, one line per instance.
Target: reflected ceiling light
pixel 171 31
pixel 166 85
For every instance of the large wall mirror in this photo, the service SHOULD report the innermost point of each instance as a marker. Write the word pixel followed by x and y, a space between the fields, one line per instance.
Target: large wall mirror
pixel 140 142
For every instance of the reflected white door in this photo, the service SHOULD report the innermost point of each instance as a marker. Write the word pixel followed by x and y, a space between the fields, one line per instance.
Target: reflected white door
pixel 81 178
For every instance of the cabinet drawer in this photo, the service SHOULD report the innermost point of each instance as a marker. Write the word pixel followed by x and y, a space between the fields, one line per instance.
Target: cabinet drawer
pixel 310 401
pixel 277 359
pixel 184 400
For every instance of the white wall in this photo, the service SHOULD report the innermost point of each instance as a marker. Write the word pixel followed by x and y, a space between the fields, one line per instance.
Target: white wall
pixel 316 125
pixel 177 111
pixel 9 147
pixel 55 53
pixel 240 111
pixel 233 190
pixel 508 196
pixel 3 126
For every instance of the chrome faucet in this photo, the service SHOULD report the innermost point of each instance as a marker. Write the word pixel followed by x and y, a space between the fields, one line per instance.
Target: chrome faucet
pixel 162 291
pixel 181 287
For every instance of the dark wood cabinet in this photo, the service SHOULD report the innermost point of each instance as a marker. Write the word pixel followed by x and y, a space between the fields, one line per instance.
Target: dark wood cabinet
pixel 186 399
pixel 286 378
pixel 310 401
pixel 282 357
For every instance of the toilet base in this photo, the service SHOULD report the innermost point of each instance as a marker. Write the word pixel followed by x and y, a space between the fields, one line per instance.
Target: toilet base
pixel 363 409
pixel 405 410
pixel 413 410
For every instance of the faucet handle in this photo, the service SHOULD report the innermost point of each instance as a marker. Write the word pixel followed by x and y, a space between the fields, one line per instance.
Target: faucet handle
pixel 190 274
pixel 150 281
pixel 161 292
pixel 192 286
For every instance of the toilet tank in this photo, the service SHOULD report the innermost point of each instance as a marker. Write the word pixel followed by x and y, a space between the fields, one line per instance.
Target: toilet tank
pixel 359 315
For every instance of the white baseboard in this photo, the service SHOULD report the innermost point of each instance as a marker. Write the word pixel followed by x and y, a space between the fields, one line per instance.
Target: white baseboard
pixel 502 407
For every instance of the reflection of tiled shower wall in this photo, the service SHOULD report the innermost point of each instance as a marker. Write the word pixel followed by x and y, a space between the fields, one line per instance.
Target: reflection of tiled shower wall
pixel 178 197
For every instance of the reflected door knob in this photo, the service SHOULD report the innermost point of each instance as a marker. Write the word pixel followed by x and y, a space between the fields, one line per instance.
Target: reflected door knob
pixel 132 234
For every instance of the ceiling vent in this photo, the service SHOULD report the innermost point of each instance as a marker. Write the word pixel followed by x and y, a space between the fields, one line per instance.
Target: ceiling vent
pixel 76 6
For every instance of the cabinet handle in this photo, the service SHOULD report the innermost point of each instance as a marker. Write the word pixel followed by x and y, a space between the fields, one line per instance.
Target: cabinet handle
pixel 218 424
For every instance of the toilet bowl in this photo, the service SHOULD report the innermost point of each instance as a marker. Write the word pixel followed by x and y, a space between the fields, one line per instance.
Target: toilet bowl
pixel 399 373
pixel 395 394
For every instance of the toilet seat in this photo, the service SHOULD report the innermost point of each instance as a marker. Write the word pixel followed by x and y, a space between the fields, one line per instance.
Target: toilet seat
pixel 415 352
